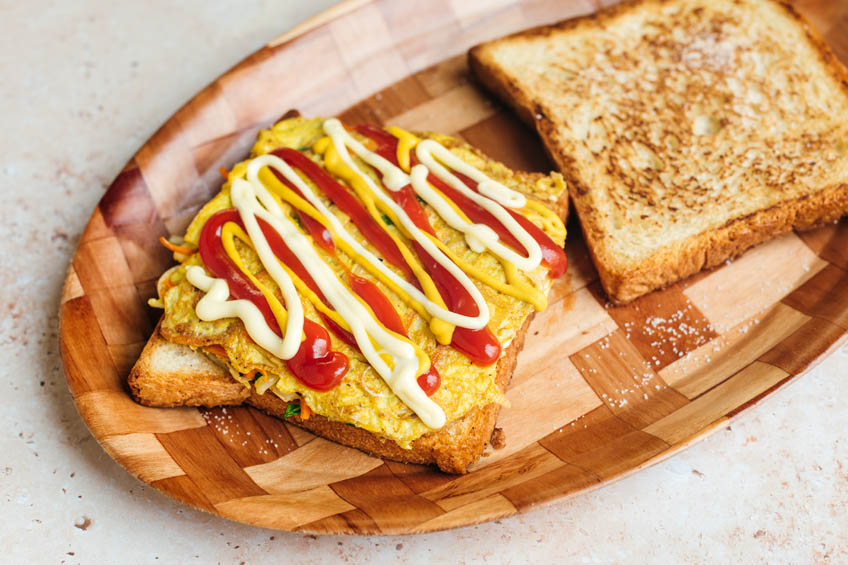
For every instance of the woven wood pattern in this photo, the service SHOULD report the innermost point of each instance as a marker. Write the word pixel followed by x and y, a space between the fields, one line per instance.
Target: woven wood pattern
pixel 598 392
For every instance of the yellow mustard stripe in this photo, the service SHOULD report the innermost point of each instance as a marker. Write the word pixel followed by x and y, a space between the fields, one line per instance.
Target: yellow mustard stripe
pixel 299 203
pixel 452 204
pixel 523 290
pixel 286 207
pixel 231 230
pixel 406 141
pixel 514 286
pixel 333 162
pixel 228 234
pixel 275 186
pixel 550 220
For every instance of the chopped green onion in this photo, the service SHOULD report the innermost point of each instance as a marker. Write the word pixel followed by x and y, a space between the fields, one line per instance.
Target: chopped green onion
pixel 292 409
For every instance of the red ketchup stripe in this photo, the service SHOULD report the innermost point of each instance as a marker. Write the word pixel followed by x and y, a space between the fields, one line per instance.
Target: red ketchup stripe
pixel 368 291
pixel 388 316
pixel 319 233
pixel 378 302
pixel 314 364
pixel 348 204
pixel 553 256
pixel 481 346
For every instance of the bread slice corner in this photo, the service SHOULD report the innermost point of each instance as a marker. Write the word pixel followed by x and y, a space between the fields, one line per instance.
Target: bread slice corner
pixel 171 374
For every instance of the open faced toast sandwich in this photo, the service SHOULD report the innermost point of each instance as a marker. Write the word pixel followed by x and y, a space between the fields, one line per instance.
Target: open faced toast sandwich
pixel 687 130
pixel 367 284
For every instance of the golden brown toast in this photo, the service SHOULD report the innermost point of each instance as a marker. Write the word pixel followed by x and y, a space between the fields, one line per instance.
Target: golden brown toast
pixel 177 368
pixel 172 374
pixel 688 131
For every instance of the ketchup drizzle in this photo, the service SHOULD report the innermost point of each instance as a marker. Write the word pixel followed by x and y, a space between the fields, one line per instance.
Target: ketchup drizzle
pixel 368 291
pixel 314 364
pixel 481 346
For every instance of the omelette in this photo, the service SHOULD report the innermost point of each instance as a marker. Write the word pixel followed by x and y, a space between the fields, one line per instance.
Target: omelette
pixel 370 276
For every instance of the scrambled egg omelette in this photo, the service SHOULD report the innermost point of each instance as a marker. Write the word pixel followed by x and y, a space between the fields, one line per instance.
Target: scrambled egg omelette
pixel 362 399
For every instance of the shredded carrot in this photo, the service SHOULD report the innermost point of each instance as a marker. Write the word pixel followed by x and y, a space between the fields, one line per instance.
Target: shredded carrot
pixel 250 375
pixel 305 410
pixel 216 350
pixel 224 171
pixel 175 248
pixel 167 283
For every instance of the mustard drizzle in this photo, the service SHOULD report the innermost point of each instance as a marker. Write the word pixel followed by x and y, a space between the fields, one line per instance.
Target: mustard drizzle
pixel 515 285
pixel 277 193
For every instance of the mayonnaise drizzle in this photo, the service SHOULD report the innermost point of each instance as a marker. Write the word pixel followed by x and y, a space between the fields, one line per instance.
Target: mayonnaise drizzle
pixel 241 193
pixel 472 322
pixel 215 305
pixel 493 197
pixel 373 339
pixel 253 200
pixel 395 179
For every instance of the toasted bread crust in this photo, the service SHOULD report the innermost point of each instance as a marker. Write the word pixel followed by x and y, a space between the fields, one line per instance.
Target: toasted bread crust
pixel 713 248
pixel 169 375
pixel 625 280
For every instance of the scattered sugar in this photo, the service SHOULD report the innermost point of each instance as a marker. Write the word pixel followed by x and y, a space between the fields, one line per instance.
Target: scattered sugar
pixel 223 423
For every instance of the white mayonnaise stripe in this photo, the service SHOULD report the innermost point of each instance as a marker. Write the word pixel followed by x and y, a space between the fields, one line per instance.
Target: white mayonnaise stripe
pixel 341 139
pixel 402 377
pixel 393 177
pixel 215 305
pixel 471 322
pixel 493 196
pixel 478 236
pixel 294 322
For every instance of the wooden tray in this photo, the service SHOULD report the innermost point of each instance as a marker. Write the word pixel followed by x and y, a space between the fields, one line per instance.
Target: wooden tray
pixel 599 391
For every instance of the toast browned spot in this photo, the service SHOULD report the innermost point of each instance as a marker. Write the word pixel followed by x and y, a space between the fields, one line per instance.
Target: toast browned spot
pixel 688 131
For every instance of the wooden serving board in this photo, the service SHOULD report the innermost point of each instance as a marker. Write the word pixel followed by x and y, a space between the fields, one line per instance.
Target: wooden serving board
pixel 599 391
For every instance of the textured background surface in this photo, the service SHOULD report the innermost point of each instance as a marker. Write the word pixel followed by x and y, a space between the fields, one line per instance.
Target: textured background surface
pixel 83 98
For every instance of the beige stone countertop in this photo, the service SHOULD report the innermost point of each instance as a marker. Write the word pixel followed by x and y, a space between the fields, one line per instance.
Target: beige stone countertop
pixel 84 84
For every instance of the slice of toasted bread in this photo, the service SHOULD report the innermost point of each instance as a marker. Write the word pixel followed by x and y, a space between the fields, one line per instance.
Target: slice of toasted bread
pixel 688 131
pixel 169 374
